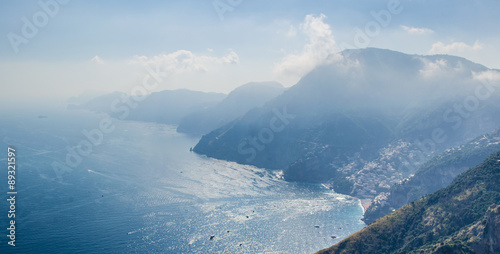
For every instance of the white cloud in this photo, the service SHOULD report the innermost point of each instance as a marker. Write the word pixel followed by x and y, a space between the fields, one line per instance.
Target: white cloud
pixel 319 47
pixel 488 76
pixel 96 59
pixel 432 68
pixel 441 48
pixel 417 31
pixel 56 81
pixel 184 60
pixel 443 68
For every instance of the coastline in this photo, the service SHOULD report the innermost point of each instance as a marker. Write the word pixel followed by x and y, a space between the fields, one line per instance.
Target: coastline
pixel 365 203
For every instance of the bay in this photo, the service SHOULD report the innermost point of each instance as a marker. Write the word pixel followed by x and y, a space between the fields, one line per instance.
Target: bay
pixel 141 190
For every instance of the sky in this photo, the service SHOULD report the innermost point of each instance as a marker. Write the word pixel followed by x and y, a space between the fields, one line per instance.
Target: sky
pixel 56 49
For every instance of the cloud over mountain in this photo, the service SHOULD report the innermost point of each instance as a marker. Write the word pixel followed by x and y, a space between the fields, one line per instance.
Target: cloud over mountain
pixel 441 48
pixel 320 46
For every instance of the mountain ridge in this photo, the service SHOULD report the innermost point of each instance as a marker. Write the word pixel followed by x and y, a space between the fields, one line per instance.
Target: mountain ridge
pixel 237 102
pixel 167 106
pixel 436 173
pixel 440 222
pixel 346 112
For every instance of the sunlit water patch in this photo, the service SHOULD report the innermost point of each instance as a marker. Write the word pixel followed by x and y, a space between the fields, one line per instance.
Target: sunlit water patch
pixel 143 191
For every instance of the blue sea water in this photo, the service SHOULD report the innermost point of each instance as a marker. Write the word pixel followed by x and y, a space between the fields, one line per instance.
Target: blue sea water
pixel 142 191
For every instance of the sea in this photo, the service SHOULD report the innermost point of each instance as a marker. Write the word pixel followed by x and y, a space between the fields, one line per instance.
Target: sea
pixel 141 190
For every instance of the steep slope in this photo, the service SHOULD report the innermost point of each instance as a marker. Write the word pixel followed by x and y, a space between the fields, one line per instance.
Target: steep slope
pixel 442 222
pixel 167 106
pixel 437 173
pixel 237 103
pixel 482 237
pixel 349 110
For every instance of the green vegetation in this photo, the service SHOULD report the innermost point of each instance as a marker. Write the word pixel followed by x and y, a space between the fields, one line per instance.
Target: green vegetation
pixel 438 223
pixel 437 173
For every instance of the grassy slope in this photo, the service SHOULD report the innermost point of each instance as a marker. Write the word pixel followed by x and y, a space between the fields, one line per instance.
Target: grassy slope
pixel 429 220
pixel 438 173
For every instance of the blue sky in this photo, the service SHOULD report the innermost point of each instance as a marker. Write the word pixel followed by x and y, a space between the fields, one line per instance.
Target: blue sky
pixel 100 45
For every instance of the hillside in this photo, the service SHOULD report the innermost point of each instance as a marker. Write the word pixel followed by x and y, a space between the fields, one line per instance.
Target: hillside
pixel 437 173
pixel 455 219
pixel 375 115
pixel 236 104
